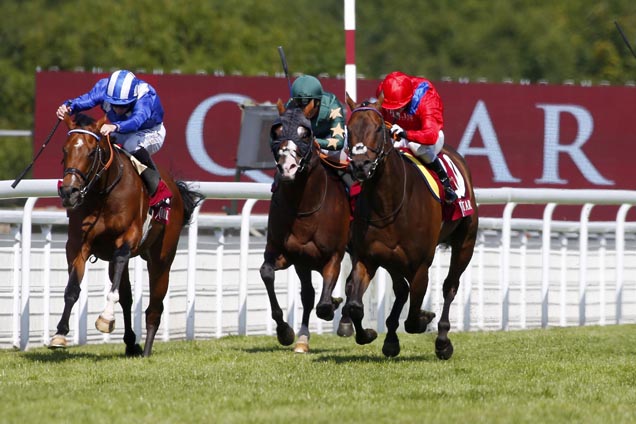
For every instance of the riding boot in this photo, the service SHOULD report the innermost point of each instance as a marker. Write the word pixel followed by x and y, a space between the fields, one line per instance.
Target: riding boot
pixel 449 194
pixel 353 188
pixel 159 192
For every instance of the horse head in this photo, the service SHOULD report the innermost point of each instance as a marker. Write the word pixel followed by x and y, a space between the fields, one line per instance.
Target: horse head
pixel 368 138
pixel 84 159
pixel 292 141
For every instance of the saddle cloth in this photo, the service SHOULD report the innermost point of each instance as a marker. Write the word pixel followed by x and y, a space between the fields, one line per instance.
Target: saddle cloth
pixel 463 206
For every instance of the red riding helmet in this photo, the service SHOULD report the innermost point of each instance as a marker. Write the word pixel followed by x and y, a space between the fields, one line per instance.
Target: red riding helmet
pixel 397 89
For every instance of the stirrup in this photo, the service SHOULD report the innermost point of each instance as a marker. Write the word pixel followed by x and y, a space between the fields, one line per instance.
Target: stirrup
pixel 449 195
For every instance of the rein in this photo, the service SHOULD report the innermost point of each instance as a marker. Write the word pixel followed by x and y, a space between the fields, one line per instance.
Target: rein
pixel 380 155
pixel 94 169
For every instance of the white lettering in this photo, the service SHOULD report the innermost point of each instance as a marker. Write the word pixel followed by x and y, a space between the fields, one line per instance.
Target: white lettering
pixel 552 148
pixel 194 138
pixel 480 120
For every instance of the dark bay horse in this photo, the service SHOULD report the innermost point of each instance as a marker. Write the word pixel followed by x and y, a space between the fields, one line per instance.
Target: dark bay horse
pixel 106 205
pixel 308 223
pixel 397 225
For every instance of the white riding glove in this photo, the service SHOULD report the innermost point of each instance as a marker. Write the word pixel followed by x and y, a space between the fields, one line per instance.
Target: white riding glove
pixel 399 136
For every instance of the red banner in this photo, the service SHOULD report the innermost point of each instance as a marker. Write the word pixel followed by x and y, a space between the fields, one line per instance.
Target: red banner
pixel 511 135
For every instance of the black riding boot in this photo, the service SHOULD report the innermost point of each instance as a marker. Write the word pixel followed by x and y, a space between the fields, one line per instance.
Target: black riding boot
pixel 150 176
pixel 436 166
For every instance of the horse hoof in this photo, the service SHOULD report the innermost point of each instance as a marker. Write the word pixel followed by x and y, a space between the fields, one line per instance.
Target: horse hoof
pixel 426 317
pixel 302 345
pixel 134 351
pixel 325 311
pixel 104 325
pixel 336 301
pixel 285 334
pixel 345 329
pixel 366 337
pixel 57 342
pixel 391 350
pixel 443 349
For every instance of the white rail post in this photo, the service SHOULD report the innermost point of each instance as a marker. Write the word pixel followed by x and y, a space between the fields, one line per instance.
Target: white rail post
pixel 17 237
pixel 220 236
pixel 583 235
pixel 26 273
pixel 46 284
pixel 191 277
pixel 243 260
pixel 620 258
pixel 504 283
pixel 546 237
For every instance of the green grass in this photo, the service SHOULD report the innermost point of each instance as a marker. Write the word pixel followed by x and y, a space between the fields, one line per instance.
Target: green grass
pixel 582 375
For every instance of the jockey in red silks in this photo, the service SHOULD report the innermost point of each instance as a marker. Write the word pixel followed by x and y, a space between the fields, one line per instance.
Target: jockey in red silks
pixel 136 120
pixel 415 110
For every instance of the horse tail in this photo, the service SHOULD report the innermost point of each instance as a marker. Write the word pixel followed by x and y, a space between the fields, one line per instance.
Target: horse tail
pixel 191 199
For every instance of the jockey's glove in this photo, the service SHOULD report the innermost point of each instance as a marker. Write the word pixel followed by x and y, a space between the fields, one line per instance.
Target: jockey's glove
pixel 397 132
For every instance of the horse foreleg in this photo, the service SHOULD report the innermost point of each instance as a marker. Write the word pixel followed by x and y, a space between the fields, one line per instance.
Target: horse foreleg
pixel 327 304
pixel 126 301
pixel 391 345
pixel 284 332
pixel 360 280
pixel 71 294
pixel 106 320
pixel 307 298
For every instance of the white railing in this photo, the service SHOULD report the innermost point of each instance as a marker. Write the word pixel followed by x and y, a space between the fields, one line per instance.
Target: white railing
pixel 518 263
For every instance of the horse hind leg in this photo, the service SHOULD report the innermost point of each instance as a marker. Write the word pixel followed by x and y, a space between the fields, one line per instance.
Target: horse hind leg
pixel 345 326
pixel 460 258
pixel 284 332
pixel 106 320
pixel 126 300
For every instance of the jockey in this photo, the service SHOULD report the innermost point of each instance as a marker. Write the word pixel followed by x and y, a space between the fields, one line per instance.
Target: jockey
pixel 415 110
pixel 136 120
pixel 327 117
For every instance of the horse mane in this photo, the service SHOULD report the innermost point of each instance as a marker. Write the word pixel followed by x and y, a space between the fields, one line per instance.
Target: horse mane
pixel 83 120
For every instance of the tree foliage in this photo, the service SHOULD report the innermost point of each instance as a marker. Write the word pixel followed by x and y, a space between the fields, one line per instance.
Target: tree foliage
pixel 531 40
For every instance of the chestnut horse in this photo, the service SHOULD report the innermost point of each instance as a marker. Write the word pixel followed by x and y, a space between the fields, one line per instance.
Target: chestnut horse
pixel 397 225
pixel 308 223
pixel 107 206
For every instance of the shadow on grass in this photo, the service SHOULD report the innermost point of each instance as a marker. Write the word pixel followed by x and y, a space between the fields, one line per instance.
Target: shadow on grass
pixel 63 355
pixel 380 358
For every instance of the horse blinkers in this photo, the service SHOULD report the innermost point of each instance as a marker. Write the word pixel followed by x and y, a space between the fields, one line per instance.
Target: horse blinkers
pixel 291 147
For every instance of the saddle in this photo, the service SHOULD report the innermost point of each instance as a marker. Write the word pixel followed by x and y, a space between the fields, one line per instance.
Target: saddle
pixel 463 206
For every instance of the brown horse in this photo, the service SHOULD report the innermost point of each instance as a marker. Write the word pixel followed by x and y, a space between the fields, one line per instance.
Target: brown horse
pixel 308 223
pixel 106 205
pixel 397 225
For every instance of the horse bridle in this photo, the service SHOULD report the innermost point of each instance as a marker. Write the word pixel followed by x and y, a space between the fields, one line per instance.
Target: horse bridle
pixel 382 151
pixel 89 181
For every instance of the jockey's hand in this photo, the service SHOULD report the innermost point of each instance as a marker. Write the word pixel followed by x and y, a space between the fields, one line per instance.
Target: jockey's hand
pixel 403 143
pixel 397 132
pixel 62 110
pixel 107 129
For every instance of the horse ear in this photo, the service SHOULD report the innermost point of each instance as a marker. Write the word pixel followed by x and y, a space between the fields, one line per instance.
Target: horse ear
pixel 102 121
pixel 280 106
pixel 69 121
pixel 378 103
pixel 352 105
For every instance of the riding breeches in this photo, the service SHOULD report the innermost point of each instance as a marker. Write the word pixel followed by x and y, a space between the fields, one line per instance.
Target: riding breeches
pixel 151 139
pixel 427 152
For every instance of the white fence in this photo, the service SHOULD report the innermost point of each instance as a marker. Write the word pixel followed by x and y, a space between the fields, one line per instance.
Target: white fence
pixel 525 272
